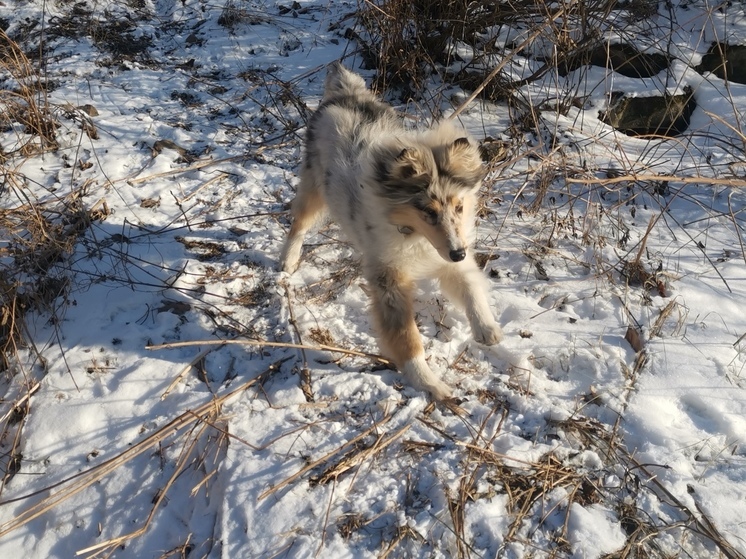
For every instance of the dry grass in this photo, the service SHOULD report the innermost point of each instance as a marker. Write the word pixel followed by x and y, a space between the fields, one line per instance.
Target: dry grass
pixel 406 42
pixel 189 429
pixel 37 236
pixel 574 207
pixel 527 485
pixel 24 107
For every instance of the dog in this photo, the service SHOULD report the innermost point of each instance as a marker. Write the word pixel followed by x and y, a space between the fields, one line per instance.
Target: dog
pixel 406 200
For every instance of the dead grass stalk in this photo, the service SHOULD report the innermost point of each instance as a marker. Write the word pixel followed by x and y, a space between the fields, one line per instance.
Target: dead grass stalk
pixel 75 484
pixel 265 343
pixel 24 107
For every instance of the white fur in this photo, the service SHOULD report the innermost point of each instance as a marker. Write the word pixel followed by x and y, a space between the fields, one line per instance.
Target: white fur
pixel 421 377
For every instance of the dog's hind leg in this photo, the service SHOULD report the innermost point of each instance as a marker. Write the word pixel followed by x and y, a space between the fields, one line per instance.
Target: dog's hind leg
pixel 400 340
pixel 465 285
pixel 306 209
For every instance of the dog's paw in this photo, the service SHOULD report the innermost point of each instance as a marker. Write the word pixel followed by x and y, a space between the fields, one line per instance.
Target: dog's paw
pixel 289 261
pixel 290 254
pixel 488 334
pixel 289 267
pixel 440 391
pixel 421 377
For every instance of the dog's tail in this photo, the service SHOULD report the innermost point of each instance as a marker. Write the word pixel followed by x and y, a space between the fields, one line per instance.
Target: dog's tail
pixel 340 82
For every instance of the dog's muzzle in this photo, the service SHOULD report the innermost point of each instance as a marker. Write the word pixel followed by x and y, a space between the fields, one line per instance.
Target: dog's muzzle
pixel 457 255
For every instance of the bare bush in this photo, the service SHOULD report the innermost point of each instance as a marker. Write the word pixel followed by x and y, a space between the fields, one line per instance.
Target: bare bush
pixel 406 41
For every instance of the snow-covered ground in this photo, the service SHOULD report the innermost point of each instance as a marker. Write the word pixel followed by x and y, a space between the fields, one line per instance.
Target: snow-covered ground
pixel 610 422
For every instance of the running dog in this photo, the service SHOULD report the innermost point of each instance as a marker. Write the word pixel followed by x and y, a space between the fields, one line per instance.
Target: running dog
pixel 406 200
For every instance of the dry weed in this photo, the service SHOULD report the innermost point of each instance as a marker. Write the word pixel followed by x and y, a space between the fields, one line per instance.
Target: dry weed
pixel 407 41
pixel 24 107
pixel 37 237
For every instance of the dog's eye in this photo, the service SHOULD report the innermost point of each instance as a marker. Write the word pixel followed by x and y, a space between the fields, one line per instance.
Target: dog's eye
pixel 459 208
pixel 431 214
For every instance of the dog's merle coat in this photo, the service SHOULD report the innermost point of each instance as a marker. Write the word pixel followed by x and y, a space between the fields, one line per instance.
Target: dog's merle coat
pixel 406 201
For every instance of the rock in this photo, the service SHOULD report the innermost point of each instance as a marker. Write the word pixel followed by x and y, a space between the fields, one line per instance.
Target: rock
pixel 727 62
pixel 665 115
pixel 90 110
pixel 622 58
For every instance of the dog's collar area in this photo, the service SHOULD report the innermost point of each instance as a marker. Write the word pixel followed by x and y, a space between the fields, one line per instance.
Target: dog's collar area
pixel 405 230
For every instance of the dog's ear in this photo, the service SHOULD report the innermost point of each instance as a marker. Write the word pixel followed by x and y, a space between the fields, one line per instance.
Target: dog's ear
pixel 410 165
pixel 464 161
pixel 402 173
pixel 462 150
pixel 461 143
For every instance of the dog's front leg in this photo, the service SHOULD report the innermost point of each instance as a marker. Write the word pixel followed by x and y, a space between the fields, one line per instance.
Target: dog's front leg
pixel 306 209
pixel 465 284
pixel 391 292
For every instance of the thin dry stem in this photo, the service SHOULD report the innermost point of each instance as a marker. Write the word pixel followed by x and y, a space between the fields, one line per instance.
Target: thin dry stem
pixel 172 345
pixel 83 480
pixel 505 61
pixel 323 459
pixel 734 181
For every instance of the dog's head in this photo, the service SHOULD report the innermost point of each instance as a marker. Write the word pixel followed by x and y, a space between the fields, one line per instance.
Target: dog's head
pixel 430 187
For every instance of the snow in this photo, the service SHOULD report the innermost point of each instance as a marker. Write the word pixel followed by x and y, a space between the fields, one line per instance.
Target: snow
pixel 569 444
pixel 593 531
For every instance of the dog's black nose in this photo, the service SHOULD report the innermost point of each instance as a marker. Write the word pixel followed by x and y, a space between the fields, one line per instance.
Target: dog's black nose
pixel 457 255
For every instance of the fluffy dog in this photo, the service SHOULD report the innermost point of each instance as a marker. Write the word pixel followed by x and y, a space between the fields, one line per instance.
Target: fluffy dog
pixel 406 200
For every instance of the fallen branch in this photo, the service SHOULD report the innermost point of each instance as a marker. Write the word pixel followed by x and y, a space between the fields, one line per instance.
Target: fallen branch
pixel 356 457
pixel 113 543
pixel 199 357
pixel 194 167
